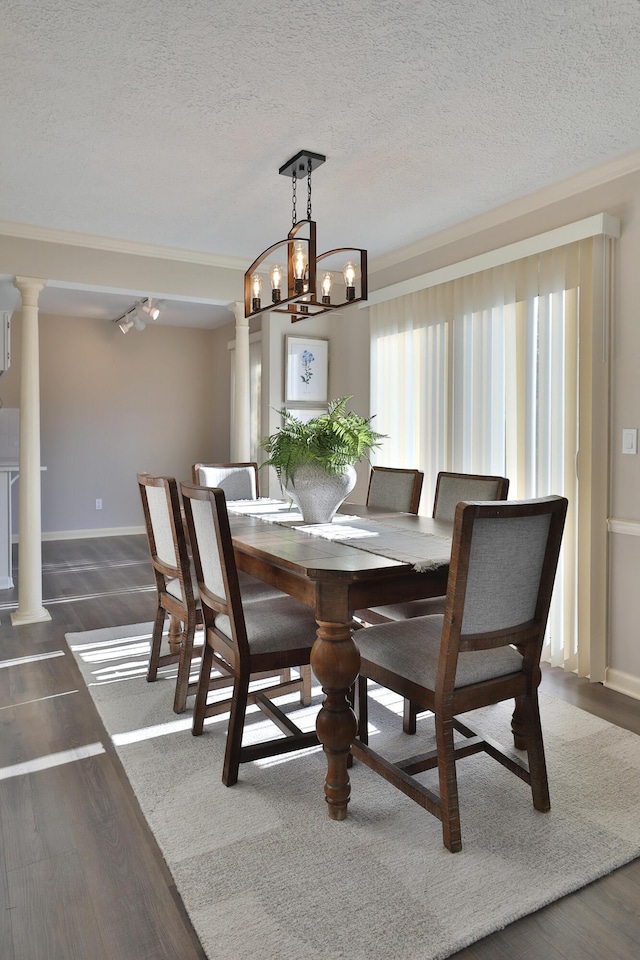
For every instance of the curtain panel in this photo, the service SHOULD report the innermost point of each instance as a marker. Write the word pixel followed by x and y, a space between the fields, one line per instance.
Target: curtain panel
pixel 506 372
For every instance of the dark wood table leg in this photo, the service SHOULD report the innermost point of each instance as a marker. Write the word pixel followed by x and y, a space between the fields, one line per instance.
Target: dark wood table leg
pixel 335 660
pixel 175 635
pixel 518 727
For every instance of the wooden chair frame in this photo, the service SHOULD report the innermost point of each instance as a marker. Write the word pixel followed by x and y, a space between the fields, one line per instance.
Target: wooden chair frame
pixel 236 660
pixel 447 701
pixel 186 611
pixel 418 478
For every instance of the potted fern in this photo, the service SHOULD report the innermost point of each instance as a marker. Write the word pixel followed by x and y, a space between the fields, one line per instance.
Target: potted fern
pixel 315 460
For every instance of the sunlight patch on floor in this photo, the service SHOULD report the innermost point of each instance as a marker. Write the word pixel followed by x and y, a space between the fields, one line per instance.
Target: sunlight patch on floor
pixel 19 661
pixel 51 760
pixel 25 703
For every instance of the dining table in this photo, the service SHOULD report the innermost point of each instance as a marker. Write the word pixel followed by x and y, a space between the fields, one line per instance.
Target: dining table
pixel 324 570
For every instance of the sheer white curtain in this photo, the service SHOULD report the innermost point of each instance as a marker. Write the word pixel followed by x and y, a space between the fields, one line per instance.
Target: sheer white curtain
pixel 488 374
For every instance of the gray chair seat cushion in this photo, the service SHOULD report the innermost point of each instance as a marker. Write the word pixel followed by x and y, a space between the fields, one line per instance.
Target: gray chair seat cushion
pixel 412 608
pixel 275 624
pixel 411 649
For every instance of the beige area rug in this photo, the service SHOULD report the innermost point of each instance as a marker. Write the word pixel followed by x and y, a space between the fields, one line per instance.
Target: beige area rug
pixel 264 873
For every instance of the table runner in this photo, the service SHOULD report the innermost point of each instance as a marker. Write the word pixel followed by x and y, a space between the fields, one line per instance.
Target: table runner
pixel 424 551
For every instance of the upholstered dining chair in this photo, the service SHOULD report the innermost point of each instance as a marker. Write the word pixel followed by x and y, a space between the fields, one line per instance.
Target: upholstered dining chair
pixel 177 590
pixel 243 641
pixel 176 596
pixel 395 488
pixel 450 489
pixel 484 649
pixel 238 480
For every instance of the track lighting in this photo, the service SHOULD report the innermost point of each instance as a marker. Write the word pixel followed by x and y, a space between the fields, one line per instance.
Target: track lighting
pixel 138 315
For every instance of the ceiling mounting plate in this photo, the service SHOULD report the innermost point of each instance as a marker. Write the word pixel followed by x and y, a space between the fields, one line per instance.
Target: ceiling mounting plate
pixel 300 164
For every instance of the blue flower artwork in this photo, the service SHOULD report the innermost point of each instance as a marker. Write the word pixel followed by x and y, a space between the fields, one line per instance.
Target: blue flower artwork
pixel 307 371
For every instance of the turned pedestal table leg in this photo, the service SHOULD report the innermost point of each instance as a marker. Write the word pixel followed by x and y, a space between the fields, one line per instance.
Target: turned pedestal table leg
pixel 175 635
pixel 335 660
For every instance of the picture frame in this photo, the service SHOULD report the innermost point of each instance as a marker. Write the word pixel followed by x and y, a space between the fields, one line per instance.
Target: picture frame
pixel 306 371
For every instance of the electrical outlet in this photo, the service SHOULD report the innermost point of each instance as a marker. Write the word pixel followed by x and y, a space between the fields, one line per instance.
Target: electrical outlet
pixel 98 504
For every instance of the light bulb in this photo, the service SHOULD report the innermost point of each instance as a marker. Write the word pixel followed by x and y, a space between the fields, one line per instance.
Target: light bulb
pixel 256 290
pixel 299 265
pixel 276 279
pixel 326 284
pixel 154 312
pixel 349 274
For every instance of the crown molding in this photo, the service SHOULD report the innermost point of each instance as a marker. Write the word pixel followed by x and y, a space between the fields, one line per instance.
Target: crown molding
pixel 26 231
pixel 562 190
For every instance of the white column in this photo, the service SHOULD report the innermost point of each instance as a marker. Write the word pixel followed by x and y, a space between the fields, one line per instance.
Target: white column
pixel 241 447
pixel 30 609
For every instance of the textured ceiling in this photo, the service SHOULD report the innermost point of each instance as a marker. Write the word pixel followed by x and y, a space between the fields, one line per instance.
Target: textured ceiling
pixel 166 122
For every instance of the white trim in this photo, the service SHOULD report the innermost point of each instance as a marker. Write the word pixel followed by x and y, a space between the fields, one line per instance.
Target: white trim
pixel 630 527
pixel 586 180
pixel 623 682
pixel 26 231
pixel 89 534
pixel 600 224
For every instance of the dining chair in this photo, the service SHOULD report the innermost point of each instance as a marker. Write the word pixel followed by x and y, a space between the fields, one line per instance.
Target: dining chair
pixel 243 641
pixel 176 596
pixel 176 587
pixel 450 489
pixel 484 649
pixel 238 480
pixel 395 488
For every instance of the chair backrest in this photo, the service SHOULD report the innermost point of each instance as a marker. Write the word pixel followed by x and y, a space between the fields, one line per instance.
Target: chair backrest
pixel 503 565
pixel 166 533
pixel 451 488
pixel 238 480
pixel 395 488
pixel 216 572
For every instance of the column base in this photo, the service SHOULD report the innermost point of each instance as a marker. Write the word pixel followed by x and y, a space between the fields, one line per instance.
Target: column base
pixel 19 617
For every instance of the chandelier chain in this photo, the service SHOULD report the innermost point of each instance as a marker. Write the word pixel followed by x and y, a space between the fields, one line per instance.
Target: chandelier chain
pixel 294 216
pixel 309 189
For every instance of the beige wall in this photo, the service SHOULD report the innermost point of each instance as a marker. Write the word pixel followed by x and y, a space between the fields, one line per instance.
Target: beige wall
pixel 112 405
pixel 620 198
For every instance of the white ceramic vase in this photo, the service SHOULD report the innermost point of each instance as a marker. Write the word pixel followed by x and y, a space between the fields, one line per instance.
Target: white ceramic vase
pixel 317 493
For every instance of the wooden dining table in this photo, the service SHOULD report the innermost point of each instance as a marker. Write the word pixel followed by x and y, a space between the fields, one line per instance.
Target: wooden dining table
pixel 336 579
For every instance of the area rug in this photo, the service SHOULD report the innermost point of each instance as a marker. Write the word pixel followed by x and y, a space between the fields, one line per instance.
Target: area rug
pixel 264 873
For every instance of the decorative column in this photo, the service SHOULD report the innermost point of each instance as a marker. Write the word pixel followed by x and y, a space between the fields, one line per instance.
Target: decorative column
pixel 241 446
pixel 30 609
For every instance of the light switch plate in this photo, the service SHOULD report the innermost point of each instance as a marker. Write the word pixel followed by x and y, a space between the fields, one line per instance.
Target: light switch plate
pixel 630 440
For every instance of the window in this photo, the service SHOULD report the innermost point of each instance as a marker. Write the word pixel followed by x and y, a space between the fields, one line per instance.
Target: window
pixel 495 372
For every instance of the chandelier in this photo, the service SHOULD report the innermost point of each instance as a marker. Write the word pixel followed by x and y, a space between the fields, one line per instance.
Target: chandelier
pixel 303 282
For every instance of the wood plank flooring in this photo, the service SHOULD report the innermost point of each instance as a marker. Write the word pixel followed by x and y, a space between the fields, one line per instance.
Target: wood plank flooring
pixel 81 876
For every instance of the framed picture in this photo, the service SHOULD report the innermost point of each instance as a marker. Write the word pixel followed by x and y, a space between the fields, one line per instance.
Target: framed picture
pixel 306 370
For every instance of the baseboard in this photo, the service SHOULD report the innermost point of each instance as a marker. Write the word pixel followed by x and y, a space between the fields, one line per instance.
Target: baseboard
pixel 622 682
pixel 89 534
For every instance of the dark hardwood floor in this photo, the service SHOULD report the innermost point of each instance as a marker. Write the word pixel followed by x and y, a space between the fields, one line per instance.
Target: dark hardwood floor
pixel 81 876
